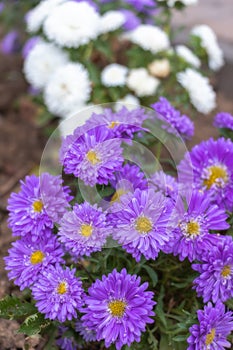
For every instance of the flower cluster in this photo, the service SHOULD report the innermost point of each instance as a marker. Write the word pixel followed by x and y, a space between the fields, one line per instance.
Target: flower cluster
pixel 71 60
pixel 145 215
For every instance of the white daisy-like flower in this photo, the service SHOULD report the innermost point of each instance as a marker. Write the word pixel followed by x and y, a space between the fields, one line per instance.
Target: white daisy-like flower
pixel 200 91
pixel 141 82
pixel 160 68
pixel 72 24
pixel 129 101
pixel 68 89
pixel 114 75
pixel 110 21
pixel 41 62
pixel 210 44
pixel 150 38
pixel 35 17
pixel 184 52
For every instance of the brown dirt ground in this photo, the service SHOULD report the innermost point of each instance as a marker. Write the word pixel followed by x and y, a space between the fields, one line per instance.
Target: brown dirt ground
pixel 21 145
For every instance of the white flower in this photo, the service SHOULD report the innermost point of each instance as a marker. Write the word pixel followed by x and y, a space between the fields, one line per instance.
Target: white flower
pixel 200 91
pixel 160 68
pixel 72 24
pixel 150 38
pixel 129 101
pixel 114 75
pixel 210 44
pixel 110 21
pixel 141 82
pixel 38 14
pixel 41 62
pixel 68 89
pixel 171 3
pixel 184 52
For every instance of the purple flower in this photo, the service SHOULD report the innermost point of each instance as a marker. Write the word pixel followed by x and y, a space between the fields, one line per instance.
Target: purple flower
pixel 177 124
pixel 2 5
pixel 216 272
pixel 141 224
pixel 122 124
pixel 141 5
pixel 58 293
pixel 40 203
pixel 118 308
pixel 94 157
pixel 223 121
pixel 64 342
pixel 215 324
pixel 128 179
pixel 132 21
pixel 191 235
pixel 84 230
pixel 87 334
pixel 28 259
pixel 165 184
pixel 29 45
pixel 10 43
pixel 212 166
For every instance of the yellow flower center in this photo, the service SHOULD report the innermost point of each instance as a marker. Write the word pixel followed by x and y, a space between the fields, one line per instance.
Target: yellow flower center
pixel 37 257
pixel 143 225
pixel 113 124
pixel 92 157
pixel 37 206
pixel 117 308
pixel 216 173
pixel 226 271
pixel 193 228
pixel 62 288
pixel 117 195
pixel 86 230
pixel 210 337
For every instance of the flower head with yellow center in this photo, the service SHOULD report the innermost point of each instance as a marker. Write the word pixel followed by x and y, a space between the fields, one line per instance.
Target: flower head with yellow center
pixel 37 206
pixel 93 157
pixel 117 307
pixel 216 175
pixel 143 225
pixel 37 257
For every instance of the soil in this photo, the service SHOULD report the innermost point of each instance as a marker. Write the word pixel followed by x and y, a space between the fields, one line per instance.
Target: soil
pixel 21 145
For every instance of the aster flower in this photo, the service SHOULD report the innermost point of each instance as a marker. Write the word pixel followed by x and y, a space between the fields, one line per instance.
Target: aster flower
pixel 131 20
pixel 150 38
pixel 10 43
pixel 41 62
pixel 192 236
pixel 64 342
pixel 223 121
pixel 36 17
pixel 211 162
pixel 200 91
pixel 175 122
pixel 129 101
pixel 160 68
pixel 118 308
pixel 87 334
pixel 72 24
pixel 140 226
pixel 40 203
pixel 110 21
pixel 29 45
pixel 184 52
pixel 58 293
pixel 68 89
pixel 94 157
pixel 27 259
pixel 114 75
pixel 141 82
pixel 215 324
pixel 216 272
pixel 84 230
pixel 122 124
pixel 210 44
pixel 165 184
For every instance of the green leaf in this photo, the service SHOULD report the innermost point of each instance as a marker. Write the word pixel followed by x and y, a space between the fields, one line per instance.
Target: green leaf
pixel 34 324
pixel 153 275
pixel 180 338
pixel 13 308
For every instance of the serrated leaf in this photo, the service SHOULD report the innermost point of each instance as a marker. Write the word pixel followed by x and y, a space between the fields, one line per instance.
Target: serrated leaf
pixel 34 324
pixel 13 308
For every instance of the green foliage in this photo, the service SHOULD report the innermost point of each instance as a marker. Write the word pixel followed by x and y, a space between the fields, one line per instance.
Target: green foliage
pixel 13 308
pixel 34 324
